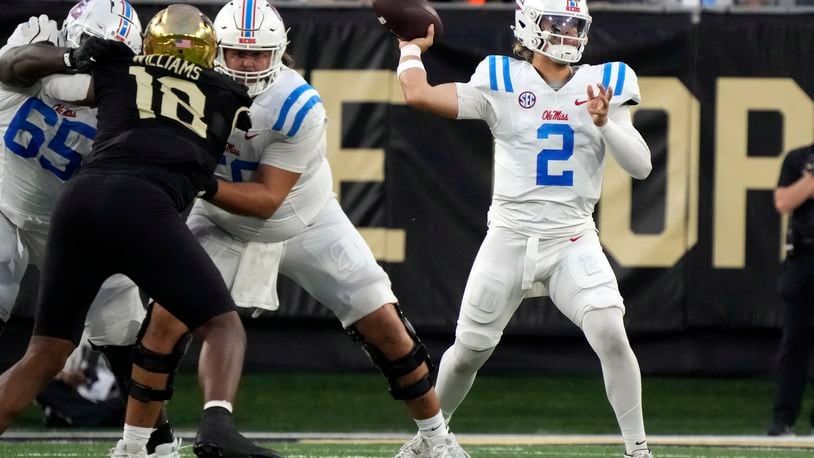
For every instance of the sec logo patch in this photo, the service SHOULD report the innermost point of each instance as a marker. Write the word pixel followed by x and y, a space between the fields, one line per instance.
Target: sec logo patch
pixel 527 99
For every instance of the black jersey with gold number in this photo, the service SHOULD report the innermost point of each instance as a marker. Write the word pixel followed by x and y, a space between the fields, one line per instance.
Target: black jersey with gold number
pixel 163 119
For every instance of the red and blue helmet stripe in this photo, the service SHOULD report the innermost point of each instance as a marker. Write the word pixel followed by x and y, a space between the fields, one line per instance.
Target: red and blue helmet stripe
pixel 125 21
pixel 249 12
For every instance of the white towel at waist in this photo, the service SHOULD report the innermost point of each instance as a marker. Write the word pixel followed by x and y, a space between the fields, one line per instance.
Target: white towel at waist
pixel 255 284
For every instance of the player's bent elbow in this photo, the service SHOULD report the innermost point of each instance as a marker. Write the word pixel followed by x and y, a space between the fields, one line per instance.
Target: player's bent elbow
pixel 265 212
pixel 418 97
pixel 780 203
pixel 267 209
pixel 782 206
pixel 643 172
pixel 412 97
pixel 638 171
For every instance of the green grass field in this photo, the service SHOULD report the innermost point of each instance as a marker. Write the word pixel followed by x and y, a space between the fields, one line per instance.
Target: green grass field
pixel 345 403
pixel 303 450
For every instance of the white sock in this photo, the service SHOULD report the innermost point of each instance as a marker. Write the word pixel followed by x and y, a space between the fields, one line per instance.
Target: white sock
pixel 136 436
pixel 456 374
pixel 433 426
pixel 225 404
pixel 605 332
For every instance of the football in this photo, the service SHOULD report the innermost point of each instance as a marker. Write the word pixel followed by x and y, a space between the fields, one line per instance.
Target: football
pixel 408 19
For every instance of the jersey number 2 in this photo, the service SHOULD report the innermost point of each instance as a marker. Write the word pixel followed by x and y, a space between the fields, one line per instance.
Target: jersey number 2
pixel 544 177
pixel 172 106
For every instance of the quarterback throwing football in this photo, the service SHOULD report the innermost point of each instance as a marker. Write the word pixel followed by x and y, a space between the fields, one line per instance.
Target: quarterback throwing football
pixel 552 124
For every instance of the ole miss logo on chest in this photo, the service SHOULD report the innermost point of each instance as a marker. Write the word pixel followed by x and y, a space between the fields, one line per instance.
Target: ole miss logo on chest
pixel 554 115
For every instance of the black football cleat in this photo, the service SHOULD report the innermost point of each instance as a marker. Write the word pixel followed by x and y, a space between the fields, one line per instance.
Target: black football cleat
pixel 218 438
pixel 780 429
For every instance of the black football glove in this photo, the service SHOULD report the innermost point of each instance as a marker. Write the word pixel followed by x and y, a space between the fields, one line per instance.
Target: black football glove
pixel 92 50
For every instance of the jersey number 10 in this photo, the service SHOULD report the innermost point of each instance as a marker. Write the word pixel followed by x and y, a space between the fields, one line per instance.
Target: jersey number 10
pixel 188 112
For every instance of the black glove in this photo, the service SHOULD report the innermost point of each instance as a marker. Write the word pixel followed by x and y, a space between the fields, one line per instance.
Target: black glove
pixel 92 50
pixel 209 190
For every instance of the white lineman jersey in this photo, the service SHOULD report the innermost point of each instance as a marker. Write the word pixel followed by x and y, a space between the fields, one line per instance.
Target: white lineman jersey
pixel 288 132
pixel 44 143
pixel 549 155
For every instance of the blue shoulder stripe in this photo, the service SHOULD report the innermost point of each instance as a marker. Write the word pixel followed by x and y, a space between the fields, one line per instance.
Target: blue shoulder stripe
pixel 620 79
pixel 289 102
pixel 493 72
pixel 507 78
pixel 302 114
pixel 606 74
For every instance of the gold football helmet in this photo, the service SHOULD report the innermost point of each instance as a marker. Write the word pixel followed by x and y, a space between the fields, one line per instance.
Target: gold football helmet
pixel 182 31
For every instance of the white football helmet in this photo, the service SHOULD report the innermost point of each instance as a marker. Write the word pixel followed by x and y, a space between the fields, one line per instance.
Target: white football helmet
pixel 251 26
pixel 109 19
pixel 555 28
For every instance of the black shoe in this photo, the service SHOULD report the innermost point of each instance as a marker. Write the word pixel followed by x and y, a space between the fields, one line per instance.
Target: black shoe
pixel 778 429
pixel 218 437
pixel 54 419
pixel 161 435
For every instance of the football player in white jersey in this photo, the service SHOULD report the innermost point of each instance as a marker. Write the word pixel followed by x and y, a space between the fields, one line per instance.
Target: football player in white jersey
pixel 45 140
pixel 275 202
pixel 553 123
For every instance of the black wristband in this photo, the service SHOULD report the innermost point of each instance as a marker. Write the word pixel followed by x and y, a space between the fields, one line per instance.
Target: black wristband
pixel 210 189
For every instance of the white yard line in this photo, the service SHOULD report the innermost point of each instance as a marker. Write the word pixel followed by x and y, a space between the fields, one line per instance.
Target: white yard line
pixel 471 439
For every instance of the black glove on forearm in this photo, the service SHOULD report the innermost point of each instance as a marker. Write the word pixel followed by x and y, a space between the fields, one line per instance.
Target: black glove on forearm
pixel 92 50
pixel 210 189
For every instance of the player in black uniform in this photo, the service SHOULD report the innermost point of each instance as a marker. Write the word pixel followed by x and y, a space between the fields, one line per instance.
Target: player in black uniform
pixel 795 195
pixel 163 122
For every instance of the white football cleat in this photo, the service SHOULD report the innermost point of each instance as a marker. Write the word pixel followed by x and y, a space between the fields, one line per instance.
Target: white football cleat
pixel 642 453
pixel 168 450
pixel 417 447
pixel 127 450
pixel 448 448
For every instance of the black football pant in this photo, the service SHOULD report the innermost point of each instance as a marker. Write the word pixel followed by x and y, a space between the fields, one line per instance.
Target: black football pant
pixel 108 224
pixel 797 290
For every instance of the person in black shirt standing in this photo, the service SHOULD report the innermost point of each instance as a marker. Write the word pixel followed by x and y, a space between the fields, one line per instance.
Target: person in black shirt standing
pixel 164 119
pixel 795 195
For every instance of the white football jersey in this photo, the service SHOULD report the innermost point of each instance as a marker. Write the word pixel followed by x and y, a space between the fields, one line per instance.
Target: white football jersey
pixel 549 155
pixel 44 143
pixel 288 132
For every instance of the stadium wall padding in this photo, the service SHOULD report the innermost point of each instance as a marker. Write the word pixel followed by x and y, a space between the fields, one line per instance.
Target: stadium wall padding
pixel 695 246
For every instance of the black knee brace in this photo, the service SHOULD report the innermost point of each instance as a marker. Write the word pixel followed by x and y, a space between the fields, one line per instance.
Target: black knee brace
pixel 151 361
pixel 392 370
